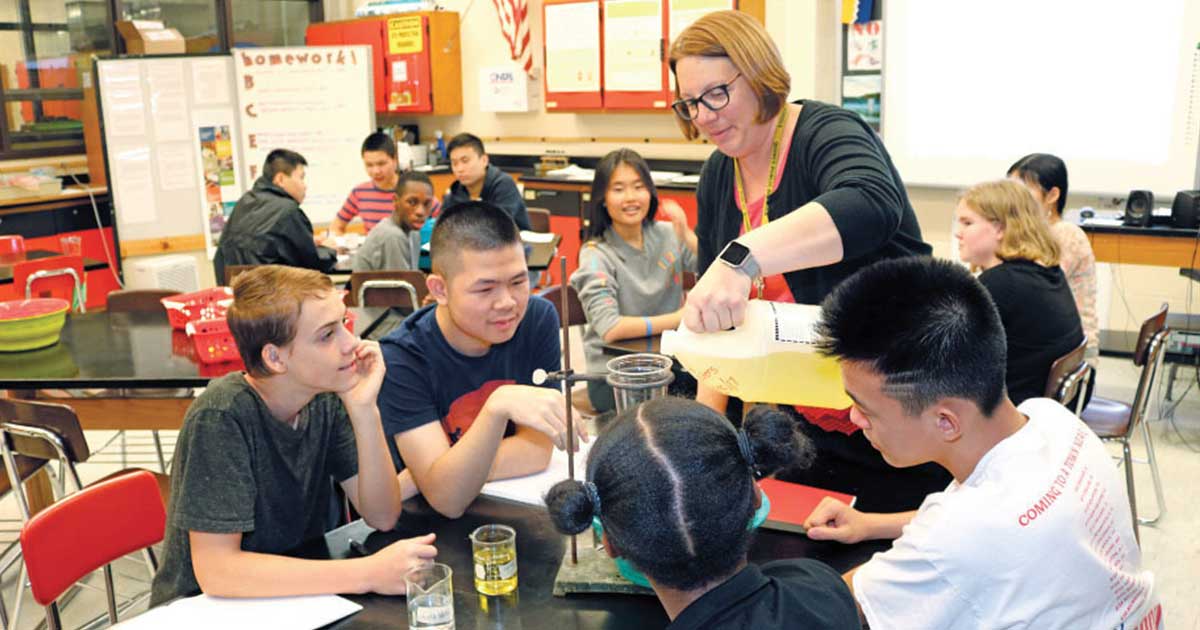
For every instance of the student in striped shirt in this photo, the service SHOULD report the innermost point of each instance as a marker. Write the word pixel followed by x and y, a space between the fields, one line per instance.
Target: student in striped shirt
pixel 371 200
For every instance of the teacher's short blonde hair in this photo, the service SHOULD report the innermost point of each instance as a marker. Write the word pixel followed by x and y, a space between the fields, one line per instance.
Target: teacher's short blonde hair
pixel 1012 207
pixel 740 38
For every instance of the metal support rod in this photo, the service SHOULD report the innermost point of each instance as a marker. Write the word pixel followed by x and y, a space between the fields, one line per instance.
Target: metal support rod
pixel 566 351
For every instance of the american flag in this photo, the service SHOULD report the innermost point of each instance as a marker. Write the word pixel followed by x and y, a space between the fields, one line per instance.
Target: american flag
pixel 514 23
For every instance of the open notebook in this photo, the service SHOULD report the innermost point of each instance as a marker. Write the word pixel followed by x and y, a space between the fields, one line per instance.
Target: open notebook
pixel 531 489
pixel 282 613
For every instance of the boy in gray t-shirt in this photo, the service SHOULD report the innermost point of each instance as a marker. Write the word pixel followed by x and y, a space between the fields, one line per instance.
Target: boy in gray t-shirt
pixel 251 474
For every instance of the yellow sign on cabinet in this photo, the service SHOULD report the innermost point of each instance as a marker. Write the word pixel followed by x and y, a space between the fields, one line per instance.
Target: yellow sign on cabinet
pixel 405 35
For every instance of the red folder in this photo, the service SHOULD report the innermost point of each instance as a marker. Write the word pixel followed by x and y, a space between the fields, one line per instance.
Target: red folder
pixel 791 503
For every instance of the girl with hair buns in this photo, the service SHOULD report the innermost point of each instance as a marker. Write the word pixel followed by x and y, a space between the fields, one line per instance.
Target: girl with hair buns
pixel 673 484
pixel 1002 232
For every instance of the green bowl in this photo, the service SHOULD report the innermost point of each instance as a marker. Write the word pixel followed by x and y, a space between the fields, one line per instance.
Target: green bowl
pixel 31 324
pixel 633 575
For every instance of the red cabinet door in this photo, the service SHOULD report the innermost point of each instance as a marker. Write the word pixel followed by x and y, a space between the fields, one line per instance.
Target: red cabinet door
pixel 409 86
pixel 371 33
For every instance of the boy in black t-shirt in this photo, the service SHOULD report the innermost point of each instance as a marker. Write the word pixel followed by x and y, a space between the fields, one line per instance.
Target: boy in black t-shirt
pixel 250 477
pixel 458 398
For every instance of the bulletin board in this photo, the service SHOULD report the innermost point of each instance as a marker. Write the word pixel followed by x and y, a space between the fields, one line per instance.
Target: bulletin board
pixel 168 126
pixel 185 136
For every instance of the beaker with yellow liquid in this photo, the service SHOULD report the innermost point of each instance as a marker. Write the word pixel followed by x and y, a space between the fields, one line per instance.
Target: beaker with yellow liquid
pixel 770 358
pixel 494 548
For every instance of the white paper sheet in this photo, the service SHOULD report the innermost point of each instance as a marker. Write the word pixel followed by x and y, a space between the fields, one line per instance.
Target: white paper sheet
pixel 573 47
pixel 134 183
pixel 168 100
pixel 210 81
pixel 279 613
pixel 632 45
pixel 124 109
pixel 531 489
pixel 176 168
pixel 537 237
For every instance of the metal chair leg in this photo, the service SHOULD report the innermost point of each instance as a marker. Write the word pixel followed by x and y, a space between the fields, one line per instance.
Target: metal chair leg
pixel 1152 462
pixel 151 561
pixel 18 591
pixel 162 460
pixel 1128 456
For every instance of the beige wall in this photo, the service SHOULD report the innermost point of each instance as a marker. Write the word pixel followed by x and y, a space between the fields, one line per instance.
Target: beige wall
pixel 793 22
pixel 807 33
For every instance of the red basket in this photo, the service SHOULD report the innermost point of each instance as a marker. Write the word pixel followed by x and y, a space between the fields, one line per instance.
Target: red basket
pixel 214 343
pixel 192 307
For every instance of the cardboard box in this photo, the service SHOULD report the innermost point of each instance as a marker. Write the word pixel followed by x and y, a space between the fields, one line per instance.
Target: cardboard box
pixel 147 37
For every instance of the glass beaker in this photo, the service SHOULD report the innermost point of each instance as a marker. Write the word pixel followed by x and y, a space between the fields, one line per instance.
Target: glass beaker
pixel 494 548
pixel 636 378
pixel 430 591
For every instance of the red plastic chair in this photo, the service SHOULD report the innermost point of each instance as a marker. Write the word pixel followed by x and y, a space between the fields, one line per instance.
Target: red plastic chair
pixel 88 530
pixel 56 276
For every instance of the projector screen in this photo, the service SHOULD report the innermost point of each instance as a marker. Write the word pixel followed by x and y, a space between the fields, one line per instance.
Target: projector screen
pixel 1111 87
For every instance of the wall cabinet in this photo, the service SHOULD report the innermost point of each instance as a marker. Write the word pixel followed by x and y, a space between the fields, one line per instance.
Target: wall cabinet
pixel 417 59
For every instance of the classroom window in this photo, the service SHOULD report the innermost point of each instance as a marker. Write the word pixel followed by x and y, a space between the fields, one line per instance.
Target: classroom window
pixel 196 20
pixel 46 47
pixel 43 44
pixel 271 22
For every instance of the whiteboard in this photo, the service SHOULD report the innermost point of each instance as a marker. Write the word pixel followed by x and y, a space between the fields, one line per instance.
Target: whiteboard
pixel 1111 87
pixel 315 100
pixel 150 110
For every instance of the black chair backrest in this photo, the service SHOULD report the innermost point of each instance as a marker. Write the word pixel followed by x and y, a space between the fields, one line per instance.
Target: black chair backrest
pixel 1063 367
pixel 576 315
pixel 59 419
pixel 539 219
pixel 137 300
pixel 689 280
pixel 1152 326
pixel 399 298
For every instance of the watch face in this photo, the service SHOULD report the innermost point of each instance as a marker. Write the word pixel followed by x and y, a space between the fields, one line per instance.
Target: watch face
pixel 735 253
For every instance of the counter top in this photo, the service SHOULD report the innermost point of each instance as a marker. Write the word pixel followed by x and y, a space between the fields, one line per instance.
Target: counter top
pixel 66 195
pixel 1153 230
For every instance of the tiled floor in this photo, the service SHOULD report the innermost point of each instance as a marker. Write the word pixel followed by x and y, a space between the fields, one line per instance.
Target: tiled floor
pixel 1171 549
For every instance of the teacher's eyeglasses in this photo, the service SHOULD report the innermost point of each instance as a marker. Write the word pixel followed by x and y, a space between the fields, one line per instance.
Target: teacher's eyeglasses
pixel 714 98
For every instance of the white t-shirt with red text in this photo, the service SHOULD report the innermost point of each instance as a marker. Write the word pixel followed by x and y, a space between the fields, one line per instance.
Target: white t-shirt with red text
pixel 1039 536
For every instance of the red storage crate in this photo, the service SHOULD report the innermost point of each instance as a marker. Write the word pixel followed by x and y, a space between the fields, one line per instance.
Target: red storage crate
pixel 213 341
pixel 192 307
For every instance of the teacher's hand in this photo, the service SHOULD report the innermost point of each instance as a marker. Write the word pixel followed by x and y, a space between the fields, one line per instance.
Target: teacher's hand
pixel 718 301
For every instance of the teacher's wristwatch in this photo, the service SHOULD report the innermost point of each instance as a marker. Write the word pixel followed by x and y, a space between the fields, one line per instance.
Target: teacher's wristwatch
pixel 739 257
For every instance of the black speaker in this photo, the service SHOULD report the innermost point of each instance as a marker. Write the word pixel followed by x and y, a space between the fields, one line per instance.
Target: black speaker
pixel 1139 207
pixel 1185 212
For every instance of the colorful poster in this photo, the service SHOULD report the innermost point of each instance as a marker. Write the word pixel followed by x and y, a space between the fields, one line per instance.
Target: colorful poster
pixel 221 191
pixel 864 46
pixel 862 94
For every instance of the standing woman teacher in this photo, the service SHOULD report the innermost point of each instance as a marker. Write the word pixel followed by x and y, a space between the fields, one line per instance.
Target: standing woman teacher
pixel 796 198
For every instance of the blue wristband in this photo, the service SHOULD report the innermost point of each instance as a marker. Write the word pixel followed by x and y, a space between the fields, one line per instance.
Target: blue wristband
pixel 649 327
